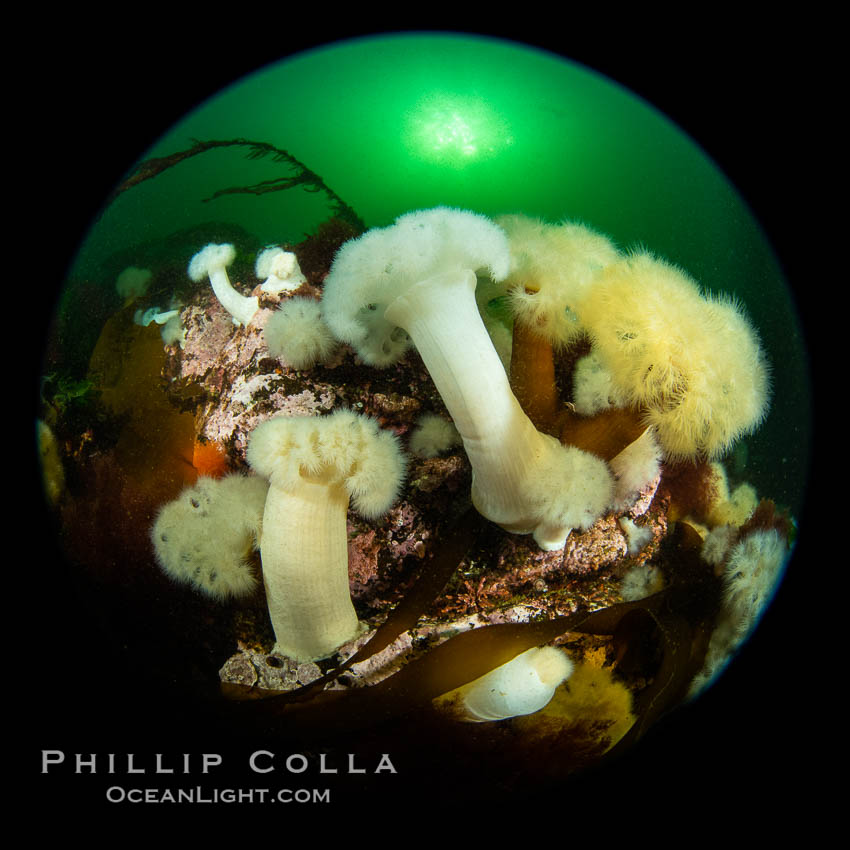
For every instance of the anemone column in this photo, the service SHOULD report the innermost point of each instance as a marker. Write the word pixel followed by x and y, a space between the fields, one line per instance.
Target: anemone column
pixel 504 448
pixel 306 575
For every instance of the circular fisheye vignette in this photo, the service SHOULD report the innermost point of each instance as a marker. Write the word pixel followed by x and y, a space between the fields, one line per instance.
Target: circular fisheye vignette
pixel 396 409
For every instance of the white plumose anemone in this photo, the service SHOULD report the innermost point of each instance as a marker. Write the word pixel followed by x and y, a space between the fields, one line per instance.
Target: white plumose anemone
pixel 432 436
pixel 212 261
pixel 552 266
pixel 692 363
pixel 315 466
pixel 752 571
pixel 280 269
pixel 206 535
pixel 133 282
pixel 415 281
pixel 297 333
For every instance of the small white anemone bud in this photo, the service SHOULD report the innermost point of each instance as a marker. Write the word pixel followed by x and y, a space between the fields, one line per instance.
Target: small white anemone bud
pixel 432 436
pixel 637 536
pixel 280 269
pixel 593 387
pixel 638 464
pixel 523 685
pixel 640 581
pixel 297 333
pixel 133 282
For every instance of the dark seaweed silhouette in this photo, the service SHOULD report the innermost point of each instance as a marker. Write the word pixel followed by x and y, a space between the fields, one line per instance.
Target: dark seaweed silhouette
pixel 300 176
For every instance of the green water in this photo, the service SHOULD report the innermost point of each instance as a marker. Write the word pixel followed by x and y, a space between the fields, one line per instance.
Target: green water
pixel 411 121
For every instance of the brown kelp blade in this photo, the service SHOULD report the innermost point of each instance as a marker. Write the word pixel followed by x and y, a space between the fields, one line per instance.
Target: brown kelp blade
pixel 472 654
pixel 660 641
pixel 532 378
pixel 604 434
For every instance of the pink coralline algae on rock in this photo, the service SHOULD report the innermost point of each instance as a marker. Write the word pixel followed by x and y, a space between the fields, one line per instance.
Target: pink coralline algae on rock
pixel 240 384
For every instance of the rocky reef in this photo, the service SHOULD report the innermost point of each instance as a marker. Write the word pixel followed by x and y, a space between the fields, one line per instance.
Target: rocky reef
pixel 443 595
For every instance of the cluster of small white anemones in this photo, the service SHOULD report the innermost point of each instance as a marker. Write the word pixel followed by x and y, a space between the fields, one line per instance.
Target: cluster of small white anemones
pixel 279 268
